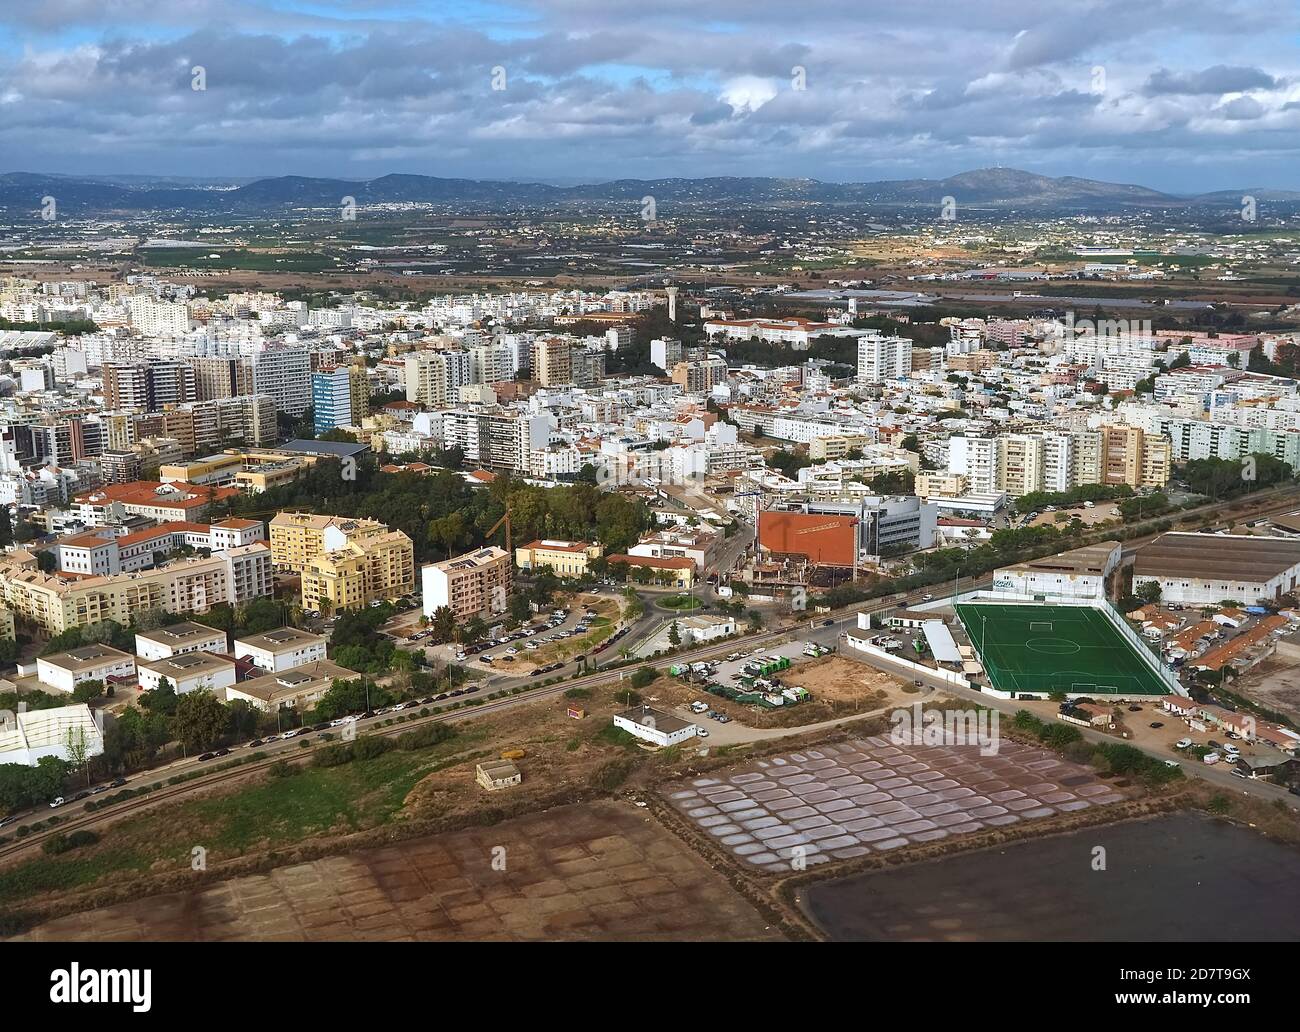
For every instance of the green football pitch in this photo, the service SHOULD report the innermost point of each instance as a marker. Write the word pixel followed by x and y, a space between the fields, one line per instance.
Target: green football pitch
pixel 1046 648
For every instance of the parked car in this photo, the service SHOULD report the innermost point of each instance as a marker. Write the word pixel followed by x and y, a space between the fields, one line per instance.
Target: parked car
pixel 1156 724
pixel 1211 757
pixel 56 801
pixel 1183 743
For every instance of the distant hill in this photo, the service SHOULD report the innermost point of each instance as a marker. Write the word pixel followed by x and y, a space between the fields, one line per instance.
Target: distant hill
pixel 987 187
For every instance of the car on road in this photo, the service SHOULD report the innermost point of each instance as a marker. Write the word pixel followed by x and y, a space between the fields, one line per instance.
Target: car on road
pixel 1156 724
pixel 206 756
pixel 8 820
pixel 919 683
pixel 57 801
pixel 927 598
pixel 828 623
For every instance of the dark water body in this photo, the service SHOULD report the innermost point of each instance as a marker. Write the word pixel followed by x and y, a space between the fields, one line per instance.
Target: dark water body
pixel 1179 877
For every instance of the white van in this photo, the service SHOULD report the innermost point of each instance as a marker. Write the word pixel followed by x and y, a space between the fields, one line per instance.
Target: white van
pixel 1211 757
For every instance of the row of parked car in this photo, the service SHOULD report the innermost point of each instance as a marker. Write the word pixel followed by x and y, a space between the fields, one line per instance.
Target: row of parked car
pixel 58 801
pixel 610 640
pixel 558 617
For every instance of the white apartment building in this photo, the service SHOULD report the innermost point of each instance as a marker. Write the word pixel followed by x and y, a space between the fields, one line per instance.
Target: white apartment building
pixel 65 670
pixel 977 459
pixel 189 672
pixel 281 649
pixel 284 374
pixel 155 318
pixel 496 439
pixel 882 359
pixel 177 640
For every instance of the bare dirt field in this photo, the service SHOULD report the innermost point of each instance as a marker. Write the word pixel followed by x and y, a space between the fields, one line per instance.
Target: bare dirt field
pixel 1274 683
pixel 833 679
pixel 839 688
pixel 591 871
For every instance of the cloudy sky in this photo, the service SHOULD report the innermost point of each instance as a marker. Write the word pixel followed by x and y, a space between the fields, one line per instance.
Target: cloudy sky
pixel 1182 95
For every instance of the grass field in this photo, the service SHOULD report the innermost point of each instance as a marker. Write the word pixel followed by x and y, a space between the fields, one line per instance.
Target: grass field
pixel 1045 649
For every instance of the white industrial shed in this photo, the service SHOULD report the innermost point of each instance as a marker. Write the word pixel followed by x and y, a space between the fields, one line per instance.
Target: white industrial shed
pixel 26 737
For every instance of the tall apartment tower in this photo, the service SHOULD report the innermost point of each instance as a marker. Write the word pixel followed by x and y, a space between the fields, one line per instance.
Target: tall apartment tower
pixel 552 361
pixel 285 375
pixel 331 398
pixel 434 378
pixel 148 386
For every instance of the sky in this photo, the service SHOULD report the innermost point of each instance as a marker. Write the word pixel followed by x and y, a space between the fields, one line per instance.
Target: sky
pixel 1179 95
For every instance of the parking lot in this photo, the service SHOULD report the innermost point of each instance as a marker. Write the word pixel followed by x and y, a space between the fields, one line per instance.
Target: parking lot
pixel 512 654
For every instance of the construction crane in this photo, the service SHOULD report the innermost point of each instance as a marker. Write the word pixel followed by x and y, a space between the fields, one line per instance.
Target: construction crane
pixel 506 520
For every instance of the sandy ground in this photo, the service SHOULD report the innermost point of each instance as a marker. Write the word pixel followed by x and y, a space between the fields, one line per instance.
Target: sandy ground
pixel 1274 683
pixel 595 871
pixel 833 679
pixel 1090 517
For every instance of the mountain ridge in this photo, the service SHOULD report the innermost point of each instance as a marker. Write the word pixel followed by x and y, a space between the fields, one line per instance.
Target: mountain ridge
pixel 991 187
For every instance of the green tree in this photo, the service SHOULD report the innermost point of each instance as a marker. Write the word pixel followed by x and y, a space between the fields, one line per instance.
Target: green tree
pixel 87 690
pixel 1148 591
pixel 199 720
pixel 519 607
pixel 162 699
pixel 443 624
pixel 674 635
